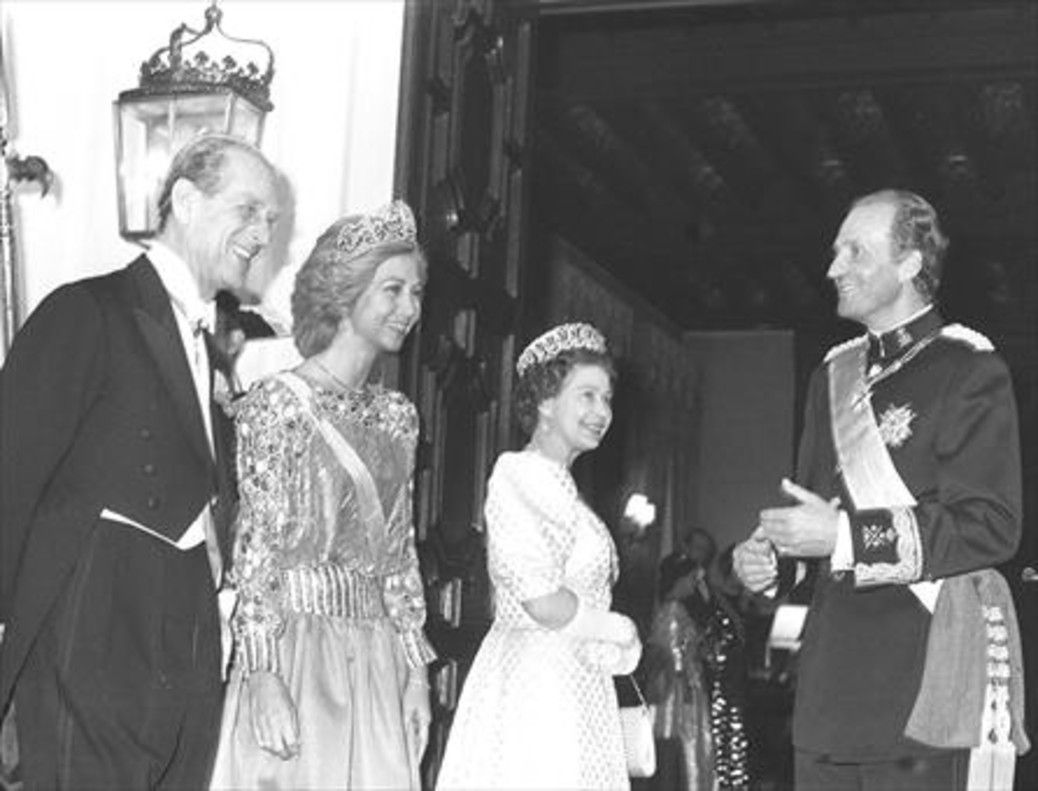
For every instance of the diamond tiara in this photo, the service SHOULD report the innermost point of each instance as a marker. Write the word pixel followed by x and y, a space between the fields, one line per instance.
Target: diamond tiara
pixel 393 222
pixel 565 337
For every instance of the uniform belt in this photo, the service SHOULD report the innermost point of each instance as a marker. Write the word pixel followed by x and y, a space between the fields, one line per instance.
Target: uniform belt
pixel 335 591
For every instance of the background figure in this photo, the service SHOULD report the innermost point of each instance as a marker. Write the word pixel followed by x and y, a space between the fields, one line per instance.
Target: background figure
pixel 116 493
pixel 329 687
pixel 538 709
pixel 724 663
pixel 908 495
pixel 677 685
pixel 765 675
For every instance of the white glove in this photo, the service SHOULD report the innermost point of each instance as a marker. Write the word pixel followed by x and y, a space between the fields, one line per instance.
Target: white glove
pixel 609 657
pixel 601 625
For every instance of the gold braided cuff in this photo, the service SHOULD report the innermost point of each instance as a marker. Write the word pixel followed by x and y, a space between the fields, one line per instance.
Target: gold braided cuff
pixel 897 532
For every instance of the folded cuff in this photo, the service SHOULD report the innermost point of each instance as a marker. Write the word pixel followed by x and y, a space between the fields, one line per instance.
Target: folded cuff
pixel 417 649
pixel 258 651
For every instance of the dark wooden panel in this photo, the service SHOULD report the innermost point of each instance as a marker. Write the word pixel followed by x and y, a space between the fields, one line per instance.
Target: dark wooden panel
pixel 461 162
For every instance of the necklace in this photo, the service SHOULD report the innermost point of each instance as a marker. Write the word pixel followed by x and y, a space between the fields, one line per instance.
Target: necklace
pixel 339 381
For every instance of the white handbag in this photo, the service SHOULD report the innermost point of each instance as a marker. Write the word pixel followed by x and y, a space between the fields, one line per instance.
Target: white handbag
pixel 636 722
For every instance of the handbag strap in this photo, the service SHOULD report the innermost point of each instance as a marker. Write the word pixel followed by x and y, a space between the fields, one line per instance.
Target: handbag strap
pixel 638 691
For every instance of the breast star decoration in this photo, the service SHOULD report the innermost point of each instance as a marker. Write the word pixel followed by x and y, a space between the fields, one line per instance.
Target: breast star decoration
pixel 895 425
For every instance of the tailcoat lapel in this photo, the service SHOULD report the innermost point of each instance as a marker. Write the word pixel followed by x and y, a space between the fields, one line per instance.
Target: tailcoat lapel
pixel 153 313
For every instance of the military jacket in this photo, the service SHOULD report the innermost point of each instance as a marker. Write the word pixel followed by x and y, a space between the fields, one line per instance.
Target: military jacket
pixel 944 405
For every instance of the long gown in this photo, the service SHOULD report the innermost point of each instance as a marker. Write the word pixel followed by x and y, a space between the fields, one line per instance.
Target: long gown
pixel 330 596
pixel 726 669
pixel 683 715
pixel 534 711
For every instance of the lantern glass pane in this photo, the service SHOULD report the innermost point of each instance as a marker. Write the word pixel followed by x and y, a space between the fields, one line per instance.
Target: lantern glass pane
pixel 246 121
pixel 151 130
pixel 143 151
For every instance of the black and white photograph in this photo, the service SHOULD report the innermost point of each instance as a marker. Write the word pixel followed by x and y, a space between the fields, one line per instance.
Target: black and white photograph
pixel 499 395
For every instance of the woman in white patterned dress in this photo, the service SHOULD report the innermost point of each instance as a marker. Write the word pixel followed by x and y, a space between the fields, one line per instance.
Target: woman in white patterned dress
pixel 538 709
pixel 329 687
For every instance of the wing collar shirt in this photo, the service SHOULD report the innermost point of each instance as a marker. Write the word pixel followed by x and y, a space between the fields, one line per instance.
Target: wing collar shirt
pixel 193 317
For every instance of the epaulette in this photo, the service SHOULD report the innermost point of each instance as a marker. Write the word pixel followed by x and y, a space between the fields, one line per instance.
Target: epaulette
pixel 960 332
pixel 840 348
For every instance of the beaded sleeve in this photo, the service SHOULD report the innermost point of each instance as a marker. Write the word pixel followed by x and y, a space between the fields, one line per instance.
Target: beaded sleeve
pixel 403 593
pixel 271 437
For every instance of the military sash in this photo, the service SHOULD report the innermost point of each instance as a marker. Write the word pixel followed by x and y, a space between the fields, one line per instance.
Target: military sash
pixel 893 550
pixel 971 693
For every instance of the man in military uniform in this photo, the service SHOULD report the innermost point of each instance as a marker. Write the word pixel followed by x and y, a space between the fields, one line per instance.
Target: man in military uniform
pixel 908 487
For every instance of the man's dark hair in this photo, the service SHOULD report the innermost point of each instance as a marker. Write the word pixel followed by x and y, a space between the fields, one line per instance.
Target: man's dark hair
pixel 202 163
pixel 915 227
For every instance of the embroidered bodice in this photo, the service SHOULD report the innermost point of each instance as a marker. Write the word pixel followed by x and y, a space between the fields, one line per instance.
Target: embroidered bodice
pixel 299 508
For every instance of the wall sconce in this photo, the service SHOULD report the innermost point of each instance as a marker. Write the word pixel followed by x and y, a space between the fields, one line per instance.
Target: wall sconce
pixel 640 511
pixel 180 96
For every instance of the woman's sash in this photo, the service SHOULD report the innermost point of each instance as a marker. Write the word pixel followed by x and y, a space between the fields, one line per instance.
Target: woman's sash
pixel 869 473
pixel 369 505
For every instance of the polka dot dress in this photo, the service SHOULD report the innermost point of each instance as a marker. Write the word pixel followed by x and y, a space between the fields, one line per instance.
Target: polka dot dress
pixel 533 713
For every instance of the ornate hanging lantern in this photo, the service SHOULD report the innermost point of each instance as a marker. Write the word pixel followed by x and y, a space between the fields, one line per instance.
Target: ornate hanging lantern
pixel 180 96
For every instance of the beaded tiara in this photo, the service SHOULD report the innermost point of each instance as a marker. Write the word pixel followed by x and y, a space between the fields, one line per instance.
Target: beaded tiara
pixel 565 337
pixel 393 222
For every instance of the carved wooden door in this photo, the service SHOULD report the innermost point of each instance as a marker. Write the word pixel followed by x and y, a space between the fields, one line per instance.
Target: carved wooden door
pixel 461 163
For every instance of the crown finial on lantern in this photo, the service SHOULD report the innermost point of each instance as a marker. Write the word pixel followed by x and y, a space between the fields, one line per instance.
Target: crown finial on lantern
pixel 188 88
pixel 172 67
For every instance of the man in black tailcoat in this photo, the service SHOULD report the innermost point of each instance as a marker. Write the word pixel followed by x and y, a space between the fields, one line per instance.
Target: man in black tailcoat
pixel 908 482
pixel 116 495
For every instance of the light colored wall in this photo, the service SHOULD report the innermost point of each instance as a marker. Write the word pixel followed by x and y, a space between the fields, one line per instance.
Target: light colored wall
pixel 332 131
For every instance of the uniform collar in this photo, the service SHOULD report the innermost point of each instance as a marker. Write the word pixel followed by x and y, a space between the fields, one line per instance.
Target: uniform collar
pixel 180 284
pixel 889 345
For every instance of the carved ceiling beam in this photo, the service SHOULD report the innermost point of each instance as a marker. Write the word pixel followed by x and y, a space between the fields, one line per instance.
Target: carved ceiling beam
pixel 738 152
pixel 930 120
pixel 802 140
pixel 624 167
pixel 683 59
pixel 687 163
pixel 575 201
pixel 863 134
pixel 1006 110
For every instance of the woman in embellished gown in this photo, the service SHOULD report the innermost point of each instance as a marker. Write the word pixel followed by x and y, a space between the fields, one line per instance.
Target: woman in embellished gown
pixel 329 685
pixel 538 709
pixel 683 723
pixel 724 665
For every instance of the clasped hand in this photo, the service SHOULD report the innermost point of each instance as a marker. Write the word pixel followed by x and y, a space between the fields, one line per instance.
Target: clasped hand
pixel 608 641
pixel 612 658
pixel 807 528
